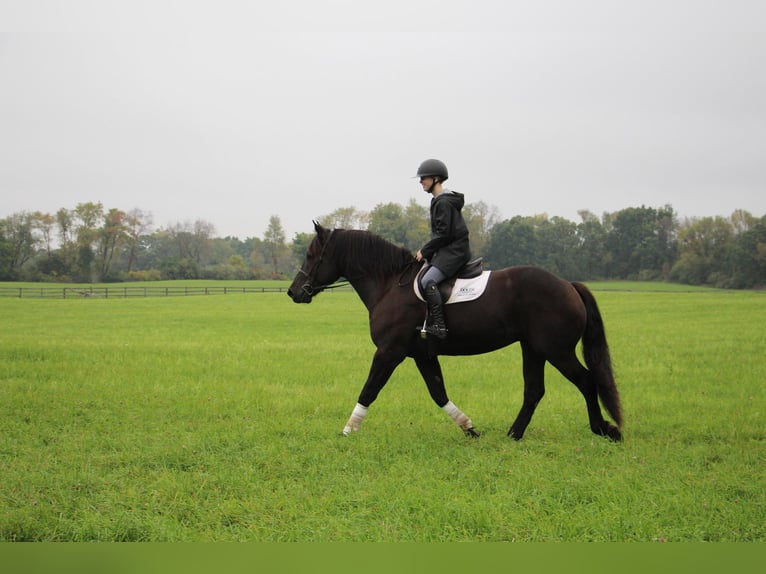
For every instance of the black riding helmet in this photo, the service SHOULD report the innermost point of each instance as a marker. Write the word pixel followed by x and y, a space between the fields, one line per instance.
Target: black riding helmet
pixel 433 168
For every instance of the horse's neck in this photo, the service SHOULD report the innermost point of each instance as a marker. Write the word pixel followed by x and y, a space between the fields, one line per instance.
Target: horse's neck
pixel 370 286
pixel 368 289
pixel 370 283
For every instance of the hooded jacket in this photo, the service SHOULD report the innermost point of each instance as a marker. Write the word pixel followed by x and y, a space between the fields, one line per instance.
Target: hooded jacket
pixel 448 248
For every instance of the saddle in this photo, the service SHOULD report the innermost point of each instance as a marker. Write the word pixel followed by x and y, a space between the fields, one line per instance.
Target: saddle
pixel 471 280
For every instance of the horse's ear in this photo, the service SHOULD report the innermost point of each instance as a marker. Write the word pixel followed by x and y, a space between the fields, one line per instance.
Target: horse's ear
pixel 317 227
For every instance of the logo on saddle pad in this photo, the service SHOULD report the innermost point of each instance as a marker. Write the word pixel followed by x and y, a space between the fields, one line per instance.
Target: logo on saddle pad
pixel 469 284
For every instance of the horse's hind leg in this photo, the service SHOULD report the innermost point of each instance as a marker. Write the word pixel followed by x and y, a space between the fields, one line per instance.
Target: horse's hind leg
pixel 431 371
pixel 534 389
pixel 572 369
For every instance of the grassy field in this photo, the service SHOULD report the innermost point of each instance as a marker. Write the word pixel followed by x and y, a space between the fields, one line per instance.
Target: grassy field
pixel 218 417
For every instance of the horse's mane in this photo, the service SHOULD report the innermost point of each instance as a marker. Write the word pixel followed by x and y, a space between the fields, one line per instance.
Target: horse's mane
pixel 371 253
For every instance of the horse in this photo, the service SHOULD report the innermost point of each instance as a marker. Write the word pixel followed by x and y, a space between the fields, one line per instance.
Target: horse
pixel 547 315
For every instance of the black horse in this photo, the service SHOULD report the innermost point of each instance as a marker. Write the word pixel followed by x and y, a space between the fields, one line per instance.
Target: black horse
pixel 548 315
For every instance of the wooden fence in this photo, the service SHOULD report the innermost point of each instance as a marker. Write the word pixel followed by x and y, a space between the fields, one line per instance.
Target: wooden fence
pixel 123 292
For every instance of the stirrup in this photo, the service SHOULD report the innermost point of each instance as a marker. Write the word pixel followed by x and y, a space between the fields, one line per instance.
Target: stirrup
pixel 439 333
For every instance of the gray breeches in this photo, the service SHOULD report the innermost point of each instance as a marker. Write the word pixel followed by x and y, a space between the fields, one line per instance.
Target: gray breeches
pixel 432 274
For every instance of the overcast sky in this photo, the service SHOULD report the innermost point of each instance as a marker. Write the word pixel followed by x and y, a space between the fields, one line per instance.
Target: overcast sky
pixel 234 111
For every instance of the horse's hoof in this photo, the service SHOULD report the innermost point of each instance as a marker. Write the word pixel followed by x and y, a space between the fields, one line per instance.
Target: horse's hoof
pixel 515 435
pixel 472 432
pixel 615 434
pixel 611 432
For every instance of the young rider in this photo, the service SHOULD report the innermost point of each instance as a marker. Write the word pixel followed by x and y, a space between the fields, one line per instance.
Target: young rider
pixel 448 249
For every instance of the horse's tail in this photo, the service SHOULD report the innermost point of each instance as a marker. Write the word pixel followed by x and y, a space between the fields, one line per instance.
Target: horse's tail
pixel 596 354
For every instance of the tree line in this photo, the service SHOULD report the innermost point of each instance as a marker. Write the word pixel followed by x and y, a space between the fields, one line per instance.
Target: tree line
pixel 92 244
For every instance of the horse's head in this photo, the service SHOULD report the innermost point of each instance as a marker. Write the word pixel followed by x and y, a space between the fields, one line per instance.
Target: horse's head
pixel 318 270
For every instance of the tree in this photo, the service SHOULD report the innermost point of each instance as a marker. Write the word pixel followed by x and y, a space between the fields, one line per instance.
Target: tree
pixel 417 226
pixel 87 217
pixel 512 242
pixel 274 242
pixel 20 244
pixel 743 221
pixel 6 255
pixel 191 240
pixel 591 254
pixel 182 250
pixel 226 264
pixel 345 218
pixel 42 224
pixel 641 243
pixel 557 247
pixel 88 244
pixel 387 220
pixel 137 224
pixel 706 246
pixel 480 219
pixel 112 234
pixel 65 221
pixel 259 259
pixel 749 254
pixel 666 231
pixel 552 244
pixel 10 245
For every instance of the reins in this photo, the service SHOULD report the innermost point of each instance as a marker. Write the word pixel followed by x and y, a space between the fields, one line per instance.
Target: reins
pixel 311 290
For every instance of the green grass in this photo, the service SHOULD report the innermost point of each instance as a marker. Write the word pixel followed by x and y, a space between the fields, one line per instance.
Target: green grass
pixel 218 418
pixel 649 286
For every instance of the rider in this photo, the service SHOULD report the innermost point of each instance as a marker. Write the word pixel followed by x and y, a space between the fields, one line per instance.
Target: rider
pixel 448 249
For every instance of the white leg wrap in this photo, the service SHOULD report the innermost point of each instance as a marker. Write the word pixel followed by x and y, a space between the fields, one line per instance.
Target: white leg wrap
pixel 357 416
pixel 458 416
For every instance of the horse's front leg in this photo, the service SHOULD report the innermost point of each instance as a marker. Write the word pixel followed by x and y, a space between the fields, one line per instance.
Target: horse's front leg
pixel 431 371
pixel 383 364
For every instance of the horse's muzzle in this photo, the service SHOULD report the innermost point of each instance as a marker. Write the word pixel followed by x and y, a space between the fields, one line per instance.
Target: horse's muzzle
pixel 304 295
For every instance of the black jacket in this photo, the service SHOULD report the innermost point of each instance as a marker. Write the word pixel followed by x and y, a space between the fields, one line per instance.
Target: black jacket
pixel 448 247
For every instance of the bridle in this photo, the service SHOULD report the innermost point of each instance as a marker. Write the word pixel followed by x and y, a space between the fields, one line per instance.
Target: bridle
pixel 307 288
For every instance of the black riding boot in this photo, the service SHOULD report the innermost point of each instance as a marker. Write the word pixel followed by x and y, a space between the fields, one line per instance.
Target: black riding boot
pixel 435 326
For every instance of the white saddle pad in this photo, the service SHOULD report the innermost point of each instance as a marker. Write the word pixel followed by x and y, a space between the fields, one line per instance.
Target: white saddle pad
pixel 464 289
